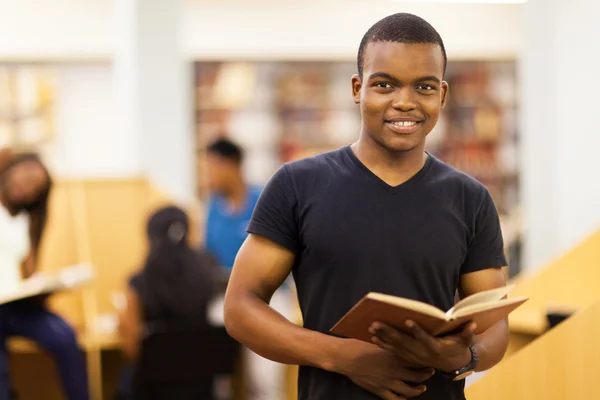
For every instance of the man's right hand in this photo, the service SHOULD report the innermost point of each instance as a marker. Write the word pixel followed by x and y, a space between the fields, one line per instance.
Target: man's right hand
pixel 380 372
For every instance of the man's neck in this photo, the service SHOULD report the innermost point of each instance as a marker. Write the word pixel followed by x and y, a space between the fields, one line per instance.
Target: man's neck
pixel 394 168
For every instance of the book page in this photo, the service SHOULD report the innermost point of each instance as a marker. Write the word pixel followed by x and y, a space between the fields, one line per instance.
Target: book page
pixel 418 306
pixel 485 297
pixel 478 307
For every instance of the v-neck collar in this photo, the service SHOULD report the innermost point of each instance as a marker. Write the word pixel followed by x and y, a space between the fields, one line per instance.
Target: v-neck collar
pixel 392 189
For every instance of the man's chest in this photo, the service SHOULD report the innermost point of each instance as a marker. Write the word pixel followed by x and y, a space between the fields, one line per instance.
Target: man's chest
pixel 391 234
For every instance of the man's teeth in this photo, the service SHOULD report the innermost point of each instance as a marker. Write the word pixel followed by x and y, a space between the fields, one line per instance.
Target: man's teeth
pixel 404 123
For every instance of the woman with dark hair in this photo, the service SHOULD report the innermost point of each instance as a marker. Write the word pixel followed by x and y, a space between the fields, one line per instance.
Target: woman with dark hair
pixel 25 186
pixel 175 285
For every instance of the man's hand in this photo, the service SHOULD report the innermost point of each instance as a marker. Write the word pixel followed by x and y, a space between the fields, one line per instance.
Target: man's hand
pixel 381 372
pixel 447 353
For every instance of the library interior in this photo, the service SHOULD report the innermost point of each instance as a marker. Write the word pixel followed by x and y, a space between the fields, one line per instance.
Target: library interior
pixel 149 152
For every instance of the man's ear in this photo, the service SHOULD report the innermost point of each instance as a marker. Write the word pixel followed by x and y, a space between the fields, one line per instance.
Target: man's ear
pixel 356 87
pixel 445 89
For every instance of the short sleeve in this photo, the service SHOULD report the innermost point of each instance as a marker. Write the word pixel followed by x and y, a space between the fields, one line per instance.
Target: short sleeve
pixel 486 249
pixel 275 214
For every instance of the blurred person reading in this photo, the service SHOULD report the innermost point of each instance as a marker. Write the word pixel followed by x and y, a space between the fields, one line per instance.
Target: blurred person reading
pixel 232 202
pixel 172 291
pixel 378 215
pixel 24 191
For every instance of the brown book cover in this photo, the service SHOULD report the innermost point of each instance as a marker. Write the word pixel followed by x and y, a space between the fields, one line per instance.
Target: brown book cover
pixel 484 308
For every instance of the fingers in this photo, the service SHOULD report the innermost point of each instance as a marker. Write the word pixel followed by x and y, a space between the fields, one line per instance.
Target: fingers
pixel 468 332
pixel 383 344
pixel 403 390
pixel 465 335
pixel 387 395
pixel 394 338
pixel 415 375
pixel 421 335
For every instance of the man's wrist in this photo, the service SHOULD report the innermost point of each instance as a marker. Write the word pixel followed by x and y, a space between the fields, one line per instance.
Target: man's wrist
pixel 332 357
pixel 459 362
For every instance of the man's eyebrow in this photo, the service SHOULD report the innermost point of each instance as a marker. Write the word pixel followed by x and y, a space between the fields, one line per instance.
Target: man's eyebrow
pixel 383 75
pixel 387 76
pixel 429 78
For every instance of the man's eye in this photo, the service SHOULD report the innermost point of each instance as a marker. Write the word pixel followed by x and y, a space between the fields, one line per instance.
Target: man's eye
pixel 383 85
pixel 425 87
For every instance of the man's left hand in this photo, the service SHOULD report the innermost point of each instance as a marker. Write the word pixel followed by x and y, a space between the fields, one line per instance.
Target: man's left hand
pixel 446 353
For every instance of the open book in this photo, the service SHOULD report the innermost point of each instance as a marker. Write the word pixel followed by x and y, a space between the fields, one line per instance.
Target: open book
pixel 44 283
pixel 484 308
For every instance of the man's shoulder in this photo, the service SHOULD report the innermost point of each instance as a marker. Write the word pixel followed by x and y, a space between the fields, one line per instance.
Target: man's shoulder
pixel 318 163
pixel 446 175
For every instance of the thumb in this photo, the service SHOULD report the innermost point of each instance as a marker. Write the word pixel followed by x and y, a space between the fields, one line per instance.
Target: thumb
pixel 467 333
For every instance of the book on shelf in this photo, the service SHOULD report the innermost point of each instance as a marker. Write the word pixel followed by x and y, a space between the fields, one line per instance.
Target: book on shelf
pixel 484 308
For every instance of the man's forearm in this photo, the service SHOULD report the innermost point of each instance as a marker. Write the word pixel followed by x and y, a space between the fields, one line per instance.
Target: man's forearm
pixel 266 332
pixel 491 345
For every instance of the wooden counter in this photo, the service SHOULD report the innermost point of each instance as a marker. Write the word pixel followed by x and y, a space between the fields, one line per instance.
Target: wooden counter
pixel 563 364
pixel 571 282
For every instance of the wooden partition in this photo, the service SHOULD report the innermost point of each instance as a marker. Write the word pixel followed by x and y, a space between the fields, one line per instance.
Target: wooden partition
pixel 561 365
pixel 102 222
pixel 570 282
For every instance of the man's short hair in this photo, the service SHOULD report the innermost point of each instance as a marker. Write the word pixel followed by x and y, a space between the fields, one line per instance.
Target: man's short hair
pixel 400 28
pixel 227 149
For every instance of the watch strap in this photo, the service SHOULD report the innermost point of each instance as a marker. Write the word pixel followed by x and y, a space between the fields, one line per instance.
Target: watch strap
pixel 467 369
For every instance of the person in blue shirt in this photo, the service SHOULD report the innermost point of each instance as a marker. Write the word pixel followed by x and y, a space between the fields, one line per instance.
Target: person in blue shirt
pixel 231 203
pixel 230 208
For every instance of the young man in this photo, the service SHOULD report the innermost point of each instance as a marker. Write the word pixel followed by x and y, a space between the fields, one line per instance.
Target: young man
pixel 230 209
pixel 24 189
pixel 231 204
pixel 380 215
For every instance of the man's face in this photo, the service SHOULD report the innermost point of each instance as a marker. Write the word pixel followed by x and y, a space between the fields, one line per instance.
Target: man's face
pixel 220 171
pixel 401 93
pixel 23 183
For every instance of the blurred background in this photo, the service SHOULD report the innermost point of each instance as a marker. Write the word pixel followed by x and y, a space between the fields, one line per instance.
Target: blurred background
pixel 122 97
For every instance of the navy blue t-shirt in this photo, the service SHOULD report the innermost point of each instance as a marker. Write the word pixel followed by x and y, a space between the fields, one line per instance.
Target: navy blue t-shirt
pixel 352 233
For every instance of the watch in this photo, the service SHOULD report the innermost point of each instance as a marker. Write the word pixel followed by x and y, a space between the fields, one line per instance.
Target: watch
pixel 467 370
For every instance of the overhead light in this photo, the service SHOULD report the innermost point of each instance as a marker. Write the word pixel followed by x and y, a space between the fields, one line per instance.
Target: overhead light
pixel 465 1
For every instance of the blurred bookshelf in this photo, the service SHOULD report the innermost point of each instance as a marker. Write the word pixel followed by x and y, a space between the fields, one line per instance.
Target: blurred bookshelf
pixel 281 111
pixel 26 106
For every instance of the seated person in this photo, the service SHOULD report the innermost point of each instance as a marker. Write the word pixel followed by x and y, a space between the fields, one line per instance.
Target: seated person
pixel 24 190
pixel 173 289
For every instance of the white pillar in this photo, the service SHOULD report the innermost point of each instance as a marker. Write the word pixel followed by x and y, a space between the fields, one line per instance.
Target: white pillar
pixel 559 126
pixel 153 93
